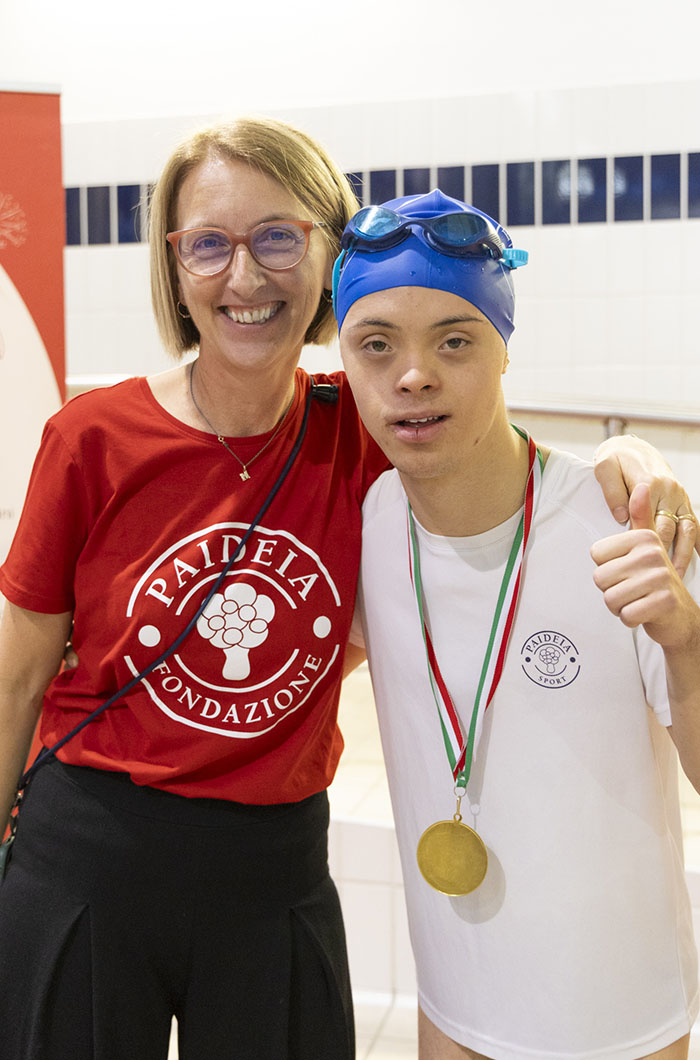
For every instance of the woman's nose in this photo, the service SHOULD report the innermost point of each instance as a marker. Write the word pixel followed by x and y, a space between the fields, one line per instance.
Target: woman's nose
pixel 245 275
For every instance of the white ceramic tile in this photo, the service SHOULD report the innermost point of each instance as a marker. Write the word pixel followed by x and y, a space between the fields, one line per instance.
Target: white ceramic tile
pixel 404 968
pixel 485 130
pixel 687 268
pixel 352 782
pixel 591 122
pixel 627 244
pixel 555 136
pixel 666 109
pixel 363 1046
pixel 389 1049
pixel 663 253
pixel 454 138
pixel 366 852
pixel 589 263
pixel 628 120
pixel 556 248
pixel 375 804
pixel 371 1012
pixel 521 124
pixel 367 913
pixel 413 142
pixel 401 1022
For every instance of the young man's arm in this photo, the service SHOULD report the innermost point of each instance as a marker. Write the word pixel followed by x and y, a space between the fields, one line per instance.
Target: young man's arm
pixel 642 587
pixel 623 462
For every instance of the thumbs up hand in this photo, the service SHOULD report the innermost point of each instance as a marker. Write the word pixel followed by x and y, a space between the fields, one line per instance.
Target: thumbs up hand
pixel 639 582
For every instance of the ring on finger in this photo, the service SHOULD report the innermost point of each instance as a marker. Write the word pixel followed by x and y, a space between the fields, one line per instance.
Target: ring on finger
pixel 669 515
pixel 686 515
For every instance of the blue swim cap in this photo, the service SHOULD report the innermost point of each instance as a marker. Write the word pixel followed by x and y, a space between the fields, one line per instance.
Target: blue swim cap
pixel 484 281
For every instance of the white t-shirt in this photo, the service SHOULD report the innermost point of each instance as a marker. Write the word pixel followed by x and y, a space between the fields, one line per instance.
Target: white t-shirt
pixel 579 942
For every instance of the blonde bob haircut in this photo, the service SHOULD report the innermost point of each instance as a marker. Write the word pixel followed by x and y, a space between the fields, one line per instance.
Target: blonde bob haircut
pixel 279 150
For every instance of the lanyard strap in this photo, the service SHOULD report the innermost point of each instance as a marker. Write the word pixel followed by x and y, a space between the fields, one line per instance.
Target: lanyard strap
pixel 460 750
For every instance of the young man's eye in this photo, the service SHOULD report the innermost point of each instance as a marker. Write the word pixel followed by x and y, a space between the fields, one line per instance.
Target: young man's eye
pixel 376 346
pixel 455 343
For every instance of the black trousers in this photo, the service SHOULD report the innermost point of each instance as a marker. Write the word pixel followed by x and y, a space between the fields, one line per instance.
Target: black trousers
pixel 124 906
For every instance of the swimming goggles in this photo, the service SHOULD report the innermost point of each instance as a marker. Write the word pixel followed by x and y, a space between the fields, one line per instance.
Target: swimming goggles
pixel 376 228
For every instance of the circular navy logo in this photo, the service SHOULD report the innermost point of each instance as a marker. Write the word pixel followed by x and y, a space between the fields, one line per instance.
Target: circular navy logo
pixel 550 659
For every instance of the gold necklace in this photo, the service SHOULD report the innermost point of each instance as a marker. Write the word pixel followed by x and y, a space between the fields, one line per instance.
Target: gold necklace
pixel 244 475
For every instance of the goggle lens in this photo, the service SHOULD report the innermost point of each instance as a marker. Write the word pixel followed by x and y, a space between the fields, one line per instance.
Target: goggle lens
pixel 375 221
pixel 378 228
pixel 461 229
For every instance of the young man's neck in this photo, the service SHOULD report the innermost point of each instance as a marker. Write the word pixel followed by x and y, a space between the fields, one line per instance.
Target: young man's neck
pixel 476 497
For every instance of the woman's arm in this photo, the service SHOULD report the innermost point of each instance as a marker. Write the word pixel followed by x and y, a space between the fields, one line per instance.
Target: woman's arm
pixel 31 651
pixel 354 655
pixel 641 587
pixel 621 463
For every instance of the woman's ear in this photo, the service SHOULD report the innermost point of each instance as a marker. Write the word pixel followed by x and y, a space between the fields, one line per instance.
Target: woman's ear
pixel 506 362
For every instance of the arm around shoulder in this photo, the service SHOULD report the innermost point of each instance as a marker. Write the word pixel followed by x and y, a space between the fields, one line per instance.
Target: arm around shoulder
pixel 625 461
pixel 641 586
pixel 31 650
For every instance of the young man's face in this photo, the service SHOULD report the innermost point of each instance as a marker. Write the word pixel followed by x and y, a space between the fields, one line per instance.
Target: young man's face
pixel 425 367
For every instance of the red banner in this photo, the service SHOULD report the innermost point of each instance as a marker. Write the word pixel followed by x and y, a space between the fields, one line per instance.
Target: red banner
pixel 32 237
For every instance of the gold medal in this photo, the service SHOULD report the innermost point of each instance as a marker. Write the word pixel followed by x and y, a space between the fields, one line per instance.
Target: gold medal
pixel 452 857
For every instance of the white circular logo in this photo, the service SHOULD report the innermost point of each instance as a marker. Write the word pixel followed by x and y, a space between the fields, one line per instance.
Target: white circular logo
pixel 550 659
pixel 266 639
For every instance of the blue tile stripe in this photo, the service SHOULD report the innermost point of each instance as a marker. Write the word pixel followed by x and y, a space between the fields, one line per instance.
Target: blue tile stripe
pixel 564 191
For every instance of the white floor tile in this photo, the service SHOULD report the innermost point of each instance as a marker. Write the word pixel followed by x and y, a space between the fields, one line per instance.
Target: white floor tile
pixel 387 1049
pixel 401 1023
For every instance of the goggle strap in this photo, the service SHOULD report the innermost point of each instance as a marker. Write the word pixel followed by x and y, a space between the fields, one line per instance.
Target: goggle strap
pixel 336 279
pixel 514 258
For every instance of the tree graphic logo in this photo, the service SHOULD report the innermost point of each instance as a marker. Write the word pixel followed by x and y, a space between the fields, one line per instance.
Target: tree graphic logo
pixel 13 223
pixel 550 659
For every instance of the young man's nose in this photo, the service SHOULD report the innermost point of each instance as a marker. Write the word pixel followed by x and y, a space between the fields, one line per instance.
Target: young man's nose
pixel 417 374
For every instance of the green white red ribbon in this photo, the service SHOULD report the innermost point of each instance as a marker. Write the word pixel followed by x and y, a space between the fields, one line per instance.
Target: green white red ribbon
pixel 460 749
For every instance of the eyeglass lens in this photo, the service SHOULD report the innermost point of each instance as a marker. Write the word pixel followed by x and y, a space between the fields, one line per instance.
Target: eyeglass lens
pixel 276 246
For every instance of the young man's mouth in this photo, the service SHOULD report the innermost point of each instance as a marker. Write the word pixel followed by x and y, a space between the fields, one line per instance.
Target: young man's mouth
pixel 418 428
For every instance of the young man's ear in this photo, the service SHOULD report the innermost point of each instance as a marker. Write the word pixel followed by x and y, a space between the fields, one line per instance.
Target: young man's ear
pixel 506 362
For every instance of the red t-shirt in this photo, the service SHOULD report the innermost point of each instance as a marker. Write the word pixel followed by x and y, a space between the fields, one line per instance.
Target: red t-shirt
pixel 129 517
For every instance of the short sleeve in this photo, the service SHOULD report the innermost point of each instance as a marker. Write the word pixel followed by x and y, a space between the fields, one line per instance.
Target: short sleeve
pixel 39 571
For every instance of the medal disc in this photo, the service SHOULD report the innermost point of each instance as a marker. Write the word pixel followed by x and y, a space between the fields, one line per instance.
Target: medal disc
pixel 452 857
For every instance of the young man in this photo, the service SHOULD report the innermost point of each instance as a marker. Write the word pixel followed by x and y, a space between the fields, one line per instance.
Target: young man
pixel 534 790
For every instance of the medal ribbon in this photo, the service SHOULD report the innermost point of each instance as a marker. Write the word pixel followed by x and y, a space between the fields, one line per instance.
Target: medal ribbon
pixel 460 750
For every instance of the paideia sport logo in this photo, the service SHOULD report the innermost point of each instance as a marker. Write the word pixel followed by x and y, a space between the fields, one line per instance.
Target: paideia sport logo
pixel 550 659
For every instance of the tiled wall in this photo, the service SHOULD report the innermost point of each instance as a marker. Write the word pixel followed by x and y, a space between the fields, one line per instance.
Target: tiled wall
pixel 601 185
pixel 565 191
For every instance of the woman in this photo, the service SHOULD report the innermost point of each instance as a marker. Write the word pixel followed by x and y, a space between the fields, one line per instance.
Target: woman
pixel 171 860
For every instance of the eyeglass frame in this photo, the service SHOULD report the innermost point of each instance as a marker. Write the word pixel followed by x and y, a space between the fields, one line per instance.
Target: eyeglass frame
pixel 236 238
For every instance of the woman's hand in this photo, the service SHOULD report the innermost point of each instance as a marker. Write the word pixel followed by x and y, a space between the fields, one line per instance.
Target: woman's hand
pixel 623 462
pixel 640 584
pixel 642 587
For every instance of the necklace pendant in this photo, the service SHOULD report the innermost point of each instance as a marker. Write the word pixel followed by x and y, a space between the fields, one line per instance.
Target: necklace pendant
pixel 244 474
